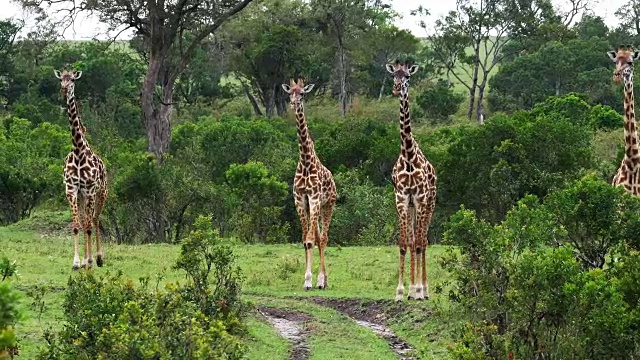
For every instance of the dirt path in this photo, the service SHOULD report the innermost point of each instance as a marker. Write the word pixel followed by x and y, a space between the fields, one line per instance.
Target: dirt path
pixel 370 314
pixel 290 325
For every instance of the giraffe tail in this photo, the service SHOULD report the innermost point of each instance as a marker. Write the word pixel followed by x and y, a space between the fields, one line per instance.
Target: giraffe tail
pixel 414 223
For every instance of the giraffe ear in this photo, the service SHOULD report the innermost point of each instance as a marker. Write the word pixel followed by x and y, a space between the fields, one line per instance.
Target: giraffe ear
pixel 77 74
pixel 613 55
pixel 413 69
pixel 57 73
pixel 286 88
pixel 308 88
pixel 389 68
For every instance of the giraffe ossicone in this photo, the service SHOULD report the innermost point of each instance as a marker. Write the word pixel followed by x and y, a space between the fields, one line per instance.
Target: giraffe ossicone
pixel 414 181
pixel 85 177
pixel 628 174
pixel 314 190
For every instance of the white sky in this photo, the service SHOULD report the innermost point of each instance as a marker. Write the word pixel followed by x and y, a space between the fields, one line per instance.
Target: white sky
pixel 85 28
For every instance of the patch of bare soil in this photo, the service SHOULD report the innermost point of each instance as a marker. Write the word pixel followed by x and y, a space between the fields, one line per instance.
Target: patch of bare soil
pixel 290 324
pixel 372 314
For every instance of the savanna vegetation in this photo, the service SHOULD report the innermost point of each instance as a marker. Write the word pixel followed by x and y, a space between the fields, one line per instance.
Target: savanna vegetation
pixel 534 253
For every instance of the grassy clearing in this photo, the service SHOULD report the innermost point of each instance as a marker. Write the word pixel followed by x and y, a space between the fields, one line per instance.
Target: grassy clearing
pixel 272 273
pixel 264 342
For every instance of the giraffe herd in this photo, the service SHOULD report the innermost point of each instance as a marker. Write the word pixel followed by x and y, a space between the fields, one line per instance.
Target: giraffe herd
pixel 314 190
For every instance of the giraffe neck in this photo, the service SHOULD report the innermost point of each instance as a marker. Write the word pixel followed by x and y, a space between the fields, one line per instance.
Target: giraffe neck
pixel 77 138
pixel 407 148
pixel 305 144
pixel 632 157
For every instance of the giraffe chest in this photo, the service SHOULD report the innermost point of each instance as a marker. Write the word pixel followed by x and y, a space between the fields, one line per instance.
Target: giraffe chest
pixel 83 171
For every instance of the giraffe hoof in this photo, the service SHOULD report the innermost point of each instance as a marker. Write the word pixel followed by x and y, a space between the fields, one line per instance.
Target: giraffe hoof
pixel 307 288
pixel 75 267
pixel 99 261
pixel 409 297
pixel 83 266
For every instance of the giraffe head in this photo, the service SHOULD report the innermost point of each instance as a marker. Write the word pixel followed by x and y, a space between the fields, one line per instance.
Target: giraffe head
pixel 296 91
pixel 401 74
pixel 67 77
pixel 623 58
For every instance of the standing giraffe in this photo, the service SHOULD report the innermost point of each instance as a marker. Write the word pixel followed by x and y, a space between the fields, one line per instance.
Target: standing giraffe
pixel 85 177
pixel 314 190
pixel 414 181
pixel 628 174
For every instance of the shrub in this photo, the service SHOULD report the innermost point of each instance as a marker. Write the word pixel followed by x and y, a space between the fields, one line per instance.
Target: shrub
pixel 439 101
pixel 109 317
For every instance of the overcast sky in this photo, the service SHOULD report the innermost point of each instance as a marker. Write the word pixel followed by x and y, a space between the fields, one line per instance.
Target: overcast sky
pixel 85 28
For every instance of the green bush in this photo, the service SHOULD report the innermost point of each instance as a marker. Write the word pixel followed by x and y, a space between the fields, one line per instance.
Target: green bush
pixel 605 117
pixel 9 312
pixel 109 317
pixel 439 101
pixel 527 287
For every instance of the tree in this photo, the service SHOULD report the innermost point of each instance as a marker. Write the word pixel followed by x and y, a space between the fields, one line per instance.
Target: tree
pixel 272 44
pixel 169 33
pixel 8 32
pixel 341 20
pixel 484 27
pixel 629 15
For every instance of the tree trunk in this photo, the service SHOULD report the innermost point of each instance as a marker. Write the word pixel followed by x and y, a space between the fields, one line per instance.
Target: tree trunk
pixel 156 116
pixel 343 78
pixel 271 103
pixel 252 100
pixel 381 89
pixel 474 80
pixel 480 107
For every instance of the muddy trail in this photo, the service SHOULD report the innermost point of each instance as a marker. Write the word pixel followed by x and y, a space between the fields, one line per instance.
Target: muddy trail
pixel 371 314
pixel 291 325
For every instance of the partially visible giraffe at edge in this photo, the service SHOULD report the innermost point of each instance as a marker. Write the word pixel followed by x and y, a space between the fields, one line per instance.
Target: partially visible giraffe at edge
pixel 628 174
pixel 414 181
pixel 314 190
pixel 85 177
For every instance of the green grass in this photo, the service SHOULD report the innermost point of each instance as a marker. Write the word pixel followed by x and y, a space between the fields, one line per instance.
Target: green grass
pixel 272 273
pixel 264 342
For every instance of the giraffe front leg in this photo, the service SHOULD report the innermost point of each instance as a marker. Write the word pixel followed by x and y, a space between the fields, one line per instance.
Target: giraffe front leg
pixel 313 237
pixel 304 223
pixel 72 198
pixel 411 234
pixel 402 217
pixel 420 237
pixel 326 212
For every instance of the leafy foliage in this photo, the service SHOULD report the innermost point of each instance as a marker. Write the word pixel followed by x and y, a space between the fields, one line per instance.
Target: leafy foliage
pixel 109 316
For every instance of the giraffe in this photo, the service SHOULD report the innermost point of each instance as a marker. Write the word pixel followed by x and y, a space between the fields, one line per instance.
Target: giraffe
pixel 628 174
pixel 85 177
pixel 314 191
pixel 414 182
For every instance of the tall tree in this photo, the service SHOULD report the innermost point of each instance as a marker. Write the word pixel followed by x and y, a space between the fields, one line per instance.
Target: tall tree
pixel 629 15
pixel 170 32
pixel 8 32
pixel 483 26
